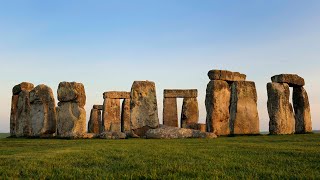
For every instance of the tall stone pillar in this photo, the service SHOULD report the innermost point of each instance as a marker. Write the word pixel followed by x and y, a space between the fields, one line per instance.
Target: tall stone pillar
pixel 190 112
pixel 111 115
pixel 95 124
pixel 170 112
pixel 302 110
pixel 125 116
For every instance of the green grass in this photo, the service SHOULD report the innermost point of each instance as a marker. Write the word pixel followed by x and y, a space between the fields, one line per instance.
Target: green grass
pixel 245 157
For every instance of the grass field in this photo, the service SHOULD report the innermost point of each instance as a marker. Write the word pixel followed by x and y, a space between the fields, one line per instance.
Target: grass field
pixel 245 157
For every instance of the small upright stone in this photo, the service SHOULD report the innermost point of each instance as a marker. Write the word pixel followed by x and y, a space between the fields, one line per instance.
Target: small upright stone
pixel 13 115
pixel 280 109
pixel 302 110
pixel 95 124
pixel 170 112
pixel 23 114
pixel 293 80
pixel 125 116
pixel 144 109
pixel 190 112
pixel 111 115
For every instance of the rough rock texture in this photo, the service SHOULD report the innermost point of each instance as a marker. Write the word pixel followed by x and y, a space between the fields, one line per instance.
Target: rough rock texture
pixel 180 93
pixel 226 75
pixel 144 109
pixel 72 92
pixel 217 105
pixel 244 118
pixel 112 135
pixel 190 112
pixel 125 116
pixel 292 79
pixel 95 124
pixel 280 109
pixel 301 106
pixel 43 116
pixel 116 95
pixel 167 132
pixel 22 86
pixel 198 126
pixel 71 120
pixel 99 107
pixel 13 114
pixel 23 114
pixel 170 112
pixel 111 115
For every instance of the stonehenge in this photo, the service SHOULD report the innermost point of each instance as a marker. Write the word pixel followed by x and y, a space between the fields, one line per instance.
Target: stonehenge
pixel 95 121
pixel 231 104
pixel 285 118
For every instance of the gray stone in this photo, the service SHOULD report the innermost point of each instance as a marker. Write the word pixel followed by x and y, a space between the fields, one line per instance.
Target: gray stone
pixel 72 92
pixel 23 115
pixel 13 114
pixel 116 95
pixel 167 132
pixel 244 118
pixel 125 116
pixel 226 75
pixel 22 86
pixel 190 112
pixel 293 80
pixel 301 106
pixel 111 115
pixel 217 105
pixel 170 112
pixel 112 135
pixel 280 109
pixel 180 93
pixel 43 116
pixel 95 123
pixel 144 109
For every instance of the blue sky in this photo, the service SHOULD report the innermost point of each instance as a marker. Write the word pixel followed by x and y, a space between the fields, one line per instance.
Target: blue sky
pixel 107 45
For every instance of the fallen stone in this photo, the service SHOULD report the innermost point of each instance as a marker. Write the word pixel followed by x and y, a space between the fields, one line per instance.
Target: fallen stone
pixel 293 80
pixel 112 135
pixel 22 86
pixel 167 132
pixel 116 95
pixel 72 92
pixel 301 106
pixel 111 115
pixel 190 112
pixel 23 115
pixel 226 75
pixel 170 112
pixel 280 109
pixel 43 113
pixel 95 124
pixel 125 116
pixel 98 107
pixel 180 93
pixel 144 109
pixel 217 105
pixel 244 118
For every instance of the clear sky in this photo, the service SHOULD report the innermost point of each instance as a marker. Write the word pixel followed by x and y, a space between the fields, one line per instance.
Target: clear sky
pixel 108 44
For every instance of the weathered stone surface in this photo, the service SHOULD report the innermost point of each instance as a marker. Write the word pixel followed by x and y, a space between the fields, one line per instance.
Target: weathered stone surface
pixel 71 120
pixel 111 115
pixel 98 107
pixel 95 123
pixel 22 86
pixel 244 118
pixel 13 114
pixel 301 106
pixel 144 109
pixel 293 80
pixel 43 116
pixel 280 109
pixel 190 112
pixel 112 135
pixel 23 114
pixel 217 105
pixel 72 92
pixel 116 95
pixel 125 116
pixel 226 75
pixel 170 112
pixel 167 132
pixel 198 126
pixel 180 93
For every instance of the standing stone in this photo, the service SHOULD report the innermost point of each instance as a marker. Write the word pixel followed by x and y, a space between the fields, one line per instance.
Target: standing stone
pixel 190 112
pixel 95 124
pixel 43 112
pixel 244 118
pixel 143 106
pixel 302 110
pixel 22 86
pixel 170 112
pixel 280 109
pixel 217 105
pixel 70 111
pixel 111 115
pixel 13 114
pixel 23 114
pixel 125 116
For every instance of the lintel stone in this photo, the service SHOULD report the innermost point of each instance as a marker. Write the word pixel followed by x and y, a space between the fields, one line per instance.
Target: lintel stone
pixel 180 93
pixel 116 95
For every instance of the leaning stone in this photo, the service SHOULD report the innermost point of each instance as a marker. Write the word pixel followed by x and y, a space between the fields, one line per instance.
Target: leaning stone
pixel 72 92
pixel 190 112
pixel 170 112
pixel 112 135
pixel 116 95
pixel 217 105
pixel 22 86
pixel 99 107
pixel 111 115
pixel 71 120
pixel 180 93
pixel 226 75
pixel 95 124
pixel 302 110
pixel 125 116
pixel 167 132
pixel 292 79
pixel 13 115
pixel 43 112
pixel 144 109
pixel 280 109
pixel 244 118
pixel 23 114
